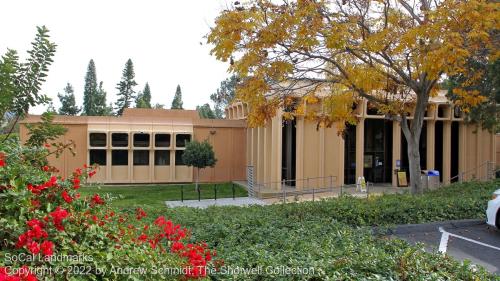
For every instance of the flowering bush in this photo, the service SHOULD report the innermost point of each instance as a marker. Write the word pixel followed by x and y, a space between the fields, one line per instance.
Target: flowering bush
pixel 50 232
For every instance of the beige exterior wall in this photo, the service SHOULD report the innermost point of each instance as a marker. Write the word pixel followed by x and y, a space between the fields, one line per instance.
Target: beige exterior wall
pixel 320 151
pixel 228 138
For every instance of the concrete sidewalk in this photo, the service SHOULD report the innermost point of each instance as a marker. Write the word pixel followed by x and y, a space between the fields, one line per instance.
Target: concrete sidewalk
pixel 238 201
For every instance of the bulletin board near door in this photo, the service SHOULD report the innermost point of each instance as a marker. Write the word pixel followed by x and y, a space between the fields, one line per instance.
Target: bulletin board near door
pixel 402 179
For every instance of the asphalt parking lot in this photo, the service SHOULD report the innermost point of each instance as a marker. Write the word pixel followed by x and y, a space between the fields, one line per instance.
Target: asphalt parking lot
pixel 464 240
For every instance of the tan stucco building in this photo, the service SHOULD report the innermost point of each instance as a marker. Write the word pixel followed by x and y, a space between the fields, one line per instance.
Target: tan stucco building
pixel 146 146
pixel 301 154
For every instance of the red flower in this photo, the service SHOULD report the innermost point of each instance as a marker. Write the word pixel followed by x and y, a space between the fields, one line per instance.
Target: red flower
pixel 23 274
pixel 35 203
pixel 45 168
pixel 47 248
pixel 140 213
pixel 76 183
pixel 2 159
pixel 92 173
pixel 47 145
pixel 66 197
pixel 33 247
pixel 143 238
pixel 57 217
pixel 177 246
pixel 96 199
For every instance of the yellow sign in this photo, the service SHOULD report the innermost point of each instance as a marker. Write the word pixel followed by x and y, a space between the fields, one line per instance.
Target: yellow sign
pixel 402 181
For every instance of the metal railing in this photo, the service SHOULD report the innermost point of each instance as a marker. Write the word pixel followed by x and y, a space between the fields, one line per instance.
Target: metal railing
pixel 476 173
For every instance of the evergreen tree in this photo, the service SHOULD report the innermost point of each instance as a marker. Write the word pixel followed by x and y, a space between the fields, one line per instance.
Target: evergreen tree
pixel 68 103
pixel 126 93
pixel 90 91
pixel 224 95
pixel 159 106
pixel 205 111
pixel 177 102
pixel 101 109
pixel 144 98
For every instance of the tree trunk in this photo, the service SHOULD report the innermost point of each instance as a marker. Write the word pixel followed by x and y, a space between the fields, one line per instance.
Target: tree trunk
pixel 412 133
pixel 197 176
pixel 414 162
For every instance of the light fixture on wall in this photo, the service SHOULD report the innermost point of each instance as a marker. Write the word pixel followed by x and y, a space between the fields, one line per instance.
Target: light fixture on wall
pixel 212 132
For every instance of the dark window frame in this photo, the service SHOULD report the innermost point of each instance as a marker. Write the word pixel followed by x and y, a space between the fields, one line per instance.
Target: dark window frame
pixel 98 133
pixel 156 158
pixel 139 141
pixel 178 160
pixel 100 163
pixel 138 160
pixel 119 133
pixel 177 141
pixel 160 134
pixel 114 154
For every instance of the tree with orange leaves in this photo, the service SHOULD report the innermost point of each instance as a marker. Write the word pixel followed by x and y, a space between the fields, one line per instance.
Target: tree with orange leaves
pixel 391 52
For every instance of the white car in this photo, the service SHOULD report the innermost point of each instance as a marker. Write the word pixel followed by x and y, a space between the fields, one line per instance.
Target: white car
pixel 493 211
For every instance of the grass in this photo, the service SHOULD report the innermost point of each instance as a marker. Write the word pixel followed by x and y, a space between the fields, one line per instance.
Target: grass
pixel 155 195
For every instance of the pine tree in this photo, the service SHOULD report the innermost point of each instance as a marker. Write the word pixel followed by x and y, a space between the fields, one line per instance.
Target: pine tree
pixel 68 103
pixel 144 98
pixel 90 90
pixel 224 95
pixel 125 87
pixel 177 102
pixel 206 112
pixel 101 108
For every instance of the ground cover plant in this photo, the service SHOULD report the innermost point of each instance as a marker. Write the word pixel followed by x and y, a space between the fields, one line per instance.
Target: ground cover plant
pixel 334 236
pixel 49 231
pixel 155 195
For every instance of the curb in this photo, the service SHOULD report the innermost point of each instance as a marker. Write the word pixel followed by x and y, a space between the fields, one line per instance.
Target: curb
pixel 427 227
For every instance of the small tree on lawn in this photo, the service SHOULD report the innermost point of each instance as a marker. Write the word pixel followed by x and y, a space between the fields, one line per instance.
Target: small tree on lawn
pixel 199 155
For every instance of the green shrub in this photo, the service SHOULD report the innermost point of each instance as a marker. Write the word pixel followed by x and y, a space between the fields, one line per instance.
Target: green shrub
pixel 334 236
pixel 73 238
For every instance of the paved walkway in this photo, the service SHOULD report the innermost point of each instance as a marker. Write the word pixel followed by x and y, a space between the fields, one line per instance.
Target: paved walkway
pixel 238 201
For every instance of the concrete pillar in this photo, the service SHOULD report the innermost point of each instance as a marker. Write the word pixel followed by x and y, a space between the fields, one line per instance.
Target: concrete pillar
pixel 268 151
pixel 360 147
pixel 431 145
pixel 299 172
pixel 396 149
pixel 321 182
pixel 276 151
pixel 260 155
pixel 462 148
pixel 446 152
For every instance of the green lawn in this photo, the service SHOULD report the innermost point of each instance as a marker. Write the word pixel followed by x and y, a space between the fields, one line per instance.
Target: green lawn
pixel 155 195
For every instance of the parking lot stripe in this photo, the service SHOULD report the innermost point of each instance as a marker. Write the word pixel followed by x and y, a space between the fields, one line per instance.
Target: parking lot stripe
pixel 446 234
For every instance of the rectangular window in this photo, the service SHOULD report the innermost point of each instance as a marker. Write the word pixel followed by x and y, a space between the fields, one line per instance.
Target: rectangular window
pixel 182 139
pixel 162 140
pixel 119 139
pixel 178 158
pixel 97 156
pixel 97 139
pixel 162 157
pixel 119 157
pixel 141 140
pixel 141 157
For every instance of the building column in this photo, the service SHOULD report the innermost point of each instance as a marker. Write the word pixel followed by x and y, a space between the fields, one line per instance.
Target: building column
pixel 431 144
pixel 360 147
pixel 299 165
pixel 396 150
pixel 462 148
pixel 260 155
pixel 446 152
pixel 276 151
pixel 268 151
pixel 322 181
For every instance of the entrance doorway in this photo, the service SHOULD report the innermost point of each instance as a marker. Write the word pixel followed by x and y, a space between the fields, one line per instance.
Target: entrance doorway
pixel 377 164
pixel 288 151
